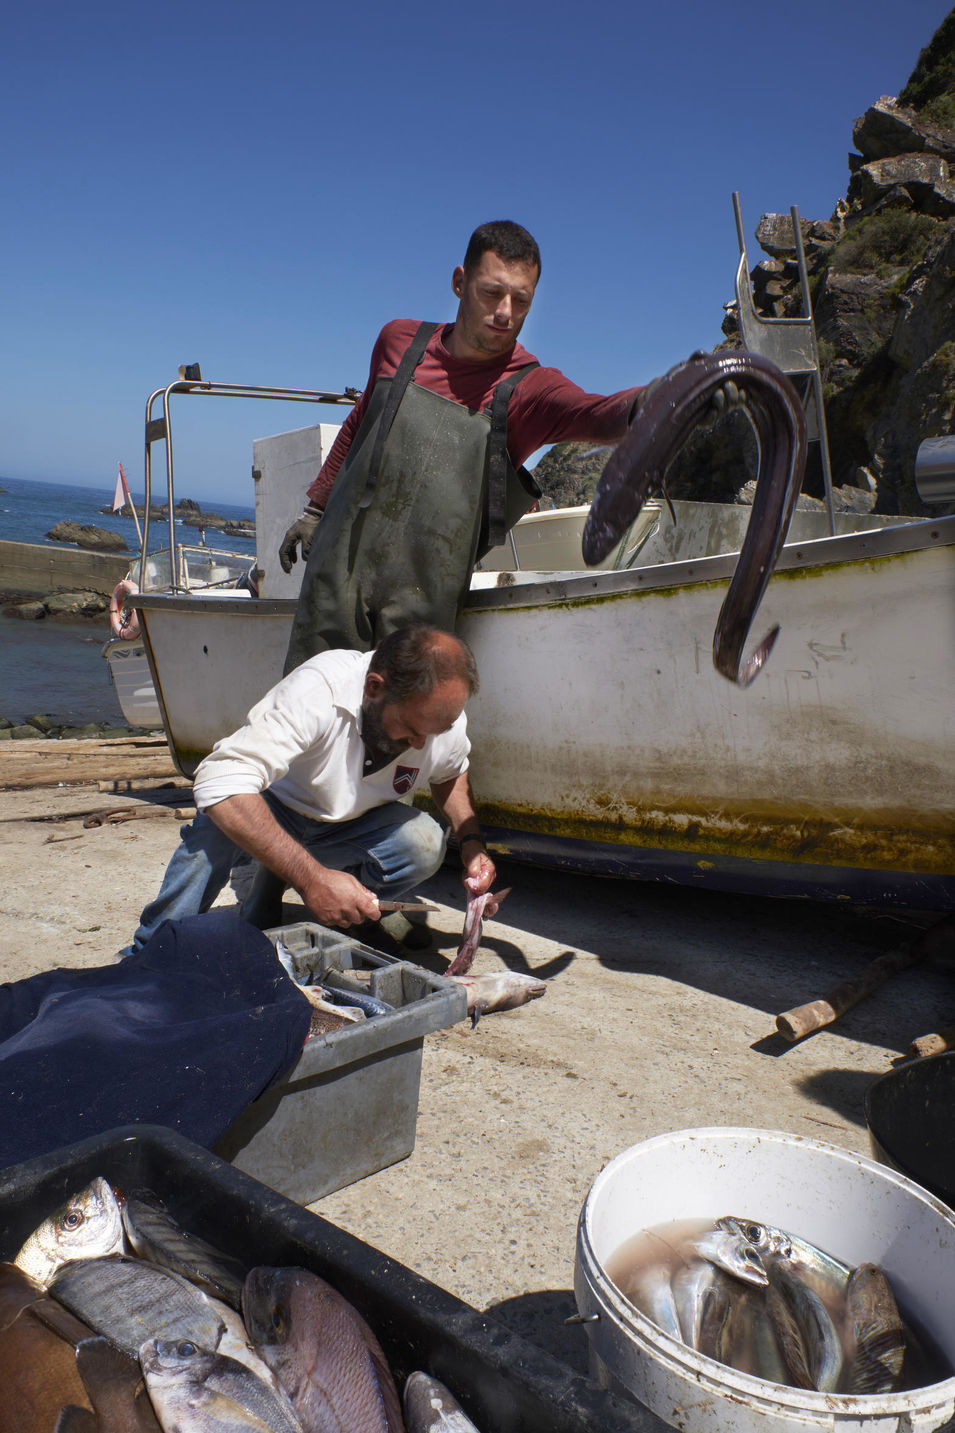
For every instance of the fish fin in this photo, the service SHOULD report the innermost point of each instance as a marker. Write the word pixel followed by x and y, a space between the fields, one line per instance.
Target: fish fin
pixel 100 1361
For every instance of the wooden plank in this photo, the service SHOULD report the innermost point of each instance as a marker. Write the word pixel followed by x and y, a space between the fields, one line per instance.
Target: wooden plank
pixel 74 762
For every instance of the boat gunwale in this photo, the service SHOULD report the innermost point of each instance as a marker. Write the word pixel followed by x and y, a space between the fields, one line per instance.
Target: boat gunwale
pixel 572 586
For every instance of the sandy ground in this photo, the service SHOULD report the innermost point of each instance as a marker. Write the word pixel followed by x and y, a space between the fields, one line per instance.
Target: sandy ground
pixel 659 1015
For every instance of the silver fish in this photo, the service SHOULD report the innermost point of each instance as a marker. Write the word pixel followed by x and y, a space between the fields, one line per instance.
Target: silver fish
pixel 87 1226
pixel 500 990
pixel 747 1340
pixel 820 1338
pixel 826 1275
pixel 789 1339
pixel 878 1331
pixel 429 1407
pixel 693 1286
pixel 732 1251
pixel 649 1289
pixel 195 1390
pixel 155 1235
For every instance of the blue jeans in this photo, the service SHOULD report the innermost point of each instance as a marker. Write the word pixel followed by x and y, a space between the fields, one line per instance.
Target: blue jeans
pixel 389 849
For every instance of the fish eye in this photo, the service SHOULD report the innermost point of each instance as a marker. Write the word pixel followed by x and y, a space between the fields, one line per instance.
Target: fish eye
pixel 71 1220
pixel 753 1232
pixel 186 1349
pixel 278 1319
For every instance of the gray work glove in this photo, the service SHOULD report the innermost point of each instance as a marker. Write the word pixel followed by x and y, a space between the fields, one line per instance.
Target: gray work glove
pixel 302 531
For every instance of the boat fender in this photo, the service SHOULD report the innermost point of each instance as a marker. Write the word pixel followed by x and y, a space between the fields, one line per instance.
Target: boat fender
pixel 123 620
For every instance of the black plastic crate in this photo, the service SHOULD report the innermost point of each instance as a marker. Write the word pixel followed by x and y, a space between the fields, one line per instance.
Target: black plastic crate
pixel 505 1383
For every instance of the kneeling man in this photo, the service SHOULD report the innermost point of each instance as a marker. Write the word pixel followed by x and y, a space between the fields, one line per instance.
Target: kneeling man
pixel 310 787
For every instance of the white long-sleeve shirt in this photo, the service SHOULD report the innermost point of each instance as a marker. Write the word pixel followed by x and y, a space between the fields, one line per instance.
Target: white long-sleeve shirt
pixel 303 741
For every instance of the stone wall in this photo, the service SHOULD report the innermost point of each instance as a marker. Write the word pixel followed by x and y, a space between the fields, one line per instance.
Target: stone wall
pixel 35 569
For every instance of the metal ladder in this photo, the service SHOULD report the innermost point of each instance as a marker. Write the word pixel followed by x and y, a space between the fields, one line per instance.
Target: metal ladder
pixel 790 343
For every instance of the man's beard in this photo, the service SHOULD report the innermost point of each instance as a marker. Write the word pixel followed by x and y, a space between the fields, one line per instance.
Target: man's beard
pixel 373 733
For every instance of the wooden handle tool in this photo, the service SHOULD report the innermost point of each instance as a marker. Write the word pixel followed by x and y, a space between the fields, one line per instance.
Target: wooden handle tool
pixel 796 1024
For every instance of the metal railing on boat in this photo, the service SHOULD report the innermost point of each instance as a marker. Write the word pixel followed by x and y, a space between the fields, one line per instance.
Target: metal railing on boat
pixel 158 430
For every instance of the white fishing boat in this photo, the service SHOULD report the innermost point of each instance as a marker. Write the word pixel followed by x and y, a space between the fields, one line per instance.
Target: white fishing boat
pixel 603 738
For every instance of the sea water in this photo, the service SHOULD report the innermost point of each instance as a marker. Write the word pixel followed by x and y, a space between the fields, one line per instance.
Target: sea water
pixel 57 668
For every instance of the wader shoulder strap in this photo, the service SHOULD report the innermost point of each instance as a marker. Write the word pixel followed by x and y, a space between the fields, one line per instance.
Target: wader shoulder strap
pixel 410 359
pixel 497 459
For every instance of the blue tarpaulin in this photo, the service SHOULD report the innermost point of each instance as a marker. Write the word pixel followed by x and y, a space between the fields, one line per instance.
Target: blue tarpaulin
pixel 184 1034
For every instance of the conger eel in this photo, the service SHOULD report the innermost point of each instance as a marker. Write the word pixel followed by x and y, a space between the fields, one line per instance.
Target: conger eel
pixel 671 409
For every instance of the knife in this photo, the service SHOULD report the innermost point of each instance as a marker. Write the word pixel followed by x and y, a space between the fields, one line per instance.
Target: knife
pixel 407 906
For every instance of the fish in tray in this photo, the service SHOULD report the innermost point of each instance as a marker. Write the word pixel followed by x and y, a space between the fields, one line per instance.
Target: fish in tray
pixel 768 1303
pixel 87 1226
pixel 322 1352
pixel 429 1407
pixel 156 1344
pixel 198 1391
pixel 154 1235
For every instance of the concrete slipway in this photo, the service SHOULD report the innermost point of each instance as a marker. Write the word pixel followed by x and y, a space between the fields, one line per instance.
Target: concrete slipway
pixel 659 1015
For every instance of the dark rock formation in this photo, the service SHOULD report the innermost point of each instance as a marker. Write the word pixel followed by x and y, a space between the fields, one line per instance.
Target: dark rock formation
pixel 882 283
pixel 93 539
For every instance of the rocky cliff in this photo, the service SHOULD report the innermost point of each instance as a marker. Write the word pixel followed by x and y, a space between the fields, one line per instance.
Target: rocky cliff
pixel 882 283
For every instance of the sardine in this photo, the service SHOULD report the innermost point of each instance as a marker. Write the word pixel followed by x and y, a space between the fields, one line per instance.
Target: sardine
pixel 431 1408
pixel 322 1352
pixel 826 1275
pixel 500 990
pixel 732 1251
pixel 650 1290
pixel 672 409
pixel 692 1288
pixel 820 1338
pixel 197 1391
pixel 87 1226
pixel 879 1335
pixel 156 1236
pixel 490 901
pixel 370 1005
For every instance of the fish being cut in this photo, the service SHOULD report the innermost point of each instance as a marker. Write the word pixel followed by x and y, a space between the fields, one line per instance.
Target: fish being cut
pixel 500 990
pixel 478 905
pixel 197 1391
pixel 87 1226
pixel 322 1352
pixel 431 1408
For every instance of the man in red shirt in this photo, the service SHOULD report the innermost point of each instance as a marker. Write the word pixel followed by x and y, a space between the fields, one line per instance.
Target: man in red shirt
pixel 426 472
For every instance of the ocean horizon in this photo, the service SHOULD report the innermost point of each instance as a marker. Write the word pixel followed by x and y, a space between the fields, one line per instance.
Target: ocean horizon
pixel 29 509
pixel 57 668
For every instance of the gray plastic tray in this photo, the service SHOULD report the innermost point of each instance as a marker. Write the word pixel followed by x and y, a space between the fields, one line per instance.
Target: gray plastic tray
pixel 349 1106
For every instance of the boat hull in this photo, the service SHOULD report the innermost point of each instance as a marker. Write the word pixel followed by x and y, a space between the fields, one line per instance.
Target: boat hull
pixel 604 740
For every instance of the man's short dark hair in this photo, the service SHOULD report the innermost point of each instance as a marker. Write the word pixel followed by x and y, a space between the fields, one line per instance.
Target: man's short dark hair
pixel 508 240
pixel 415 659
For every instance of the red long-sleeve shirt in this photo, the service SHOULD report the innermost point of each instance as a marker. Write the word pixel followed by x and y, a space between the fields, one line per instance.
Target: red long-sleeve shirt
pixel 545 406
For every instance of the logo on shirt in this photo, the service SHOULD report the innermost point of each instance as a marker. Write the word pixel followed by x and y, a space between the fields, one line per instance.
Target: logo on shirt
pixel 405 778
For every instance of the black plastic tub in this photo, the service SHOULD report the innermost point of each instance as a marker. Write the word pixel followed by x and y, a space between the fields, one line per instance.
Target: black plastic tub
pixel 911 1117
pixel 504 1383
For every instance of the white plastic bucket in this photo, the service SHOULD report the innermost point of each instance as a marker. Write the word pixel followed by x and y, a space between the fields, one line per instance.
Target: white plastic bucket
pixel 842 1202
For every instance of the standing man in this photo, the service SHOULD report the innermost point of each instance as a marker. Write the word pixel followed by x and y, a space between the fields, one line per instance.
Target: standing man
pixel 425 475
pixel 311 786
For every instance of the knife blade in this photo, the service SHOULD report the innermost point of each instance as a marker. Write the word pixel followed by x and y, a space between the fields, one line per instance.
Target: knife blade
pixel 407 906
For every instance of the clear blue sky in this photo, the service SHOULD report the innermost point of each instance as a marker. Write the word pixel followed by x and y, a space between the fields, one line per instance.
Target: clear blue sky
pixel 260 186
